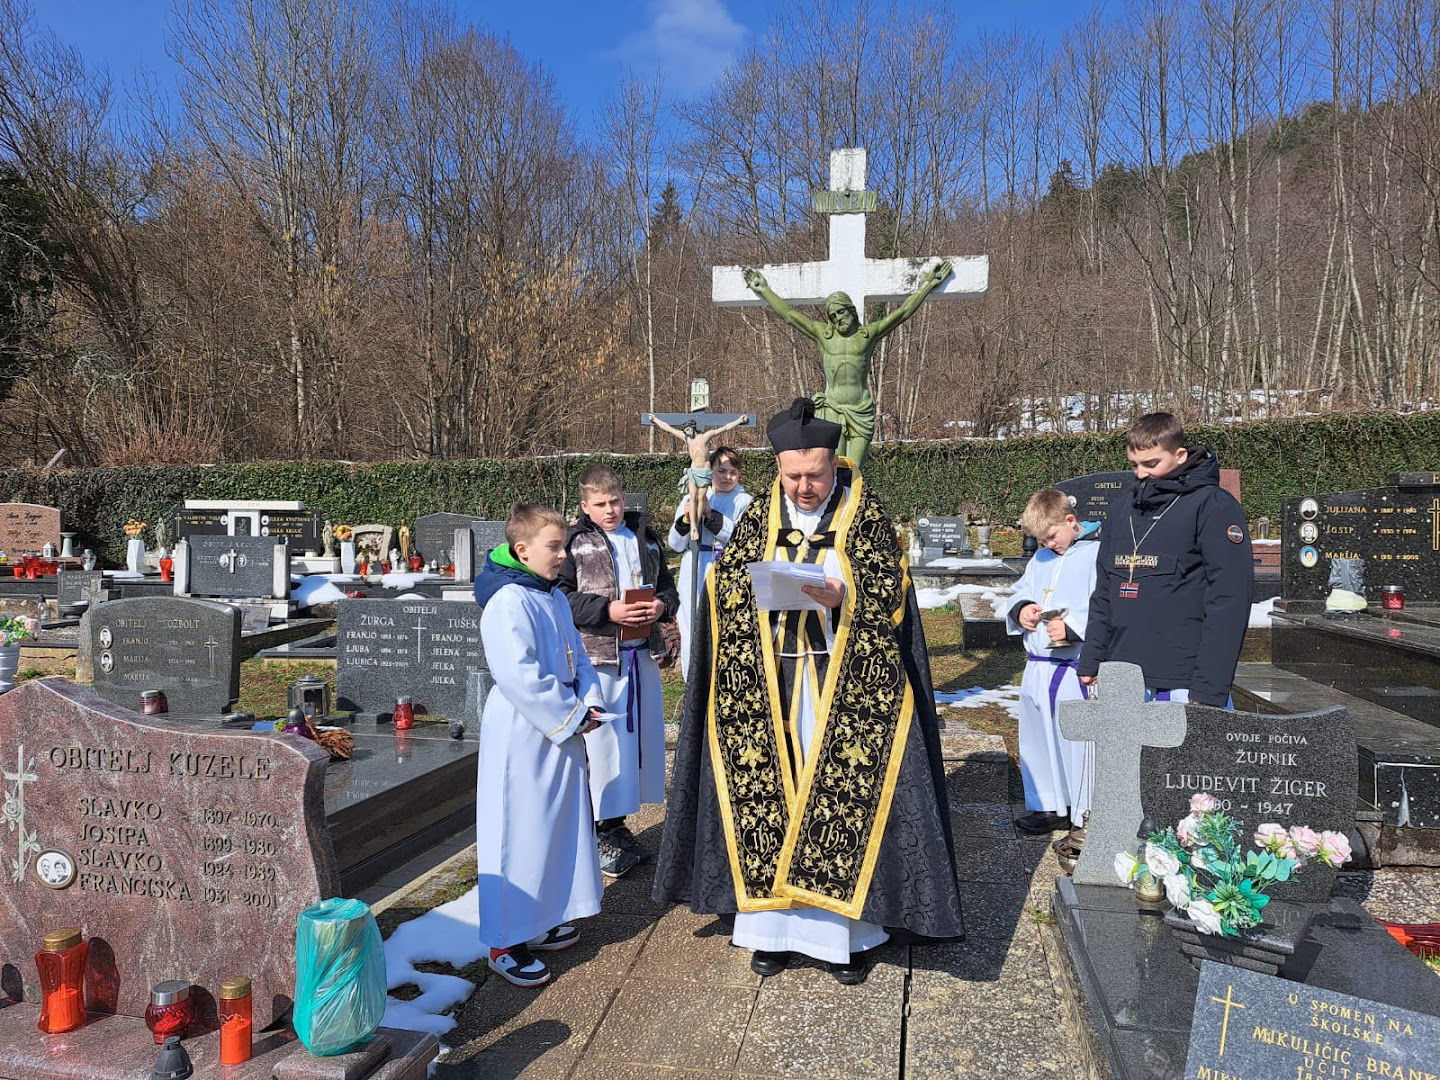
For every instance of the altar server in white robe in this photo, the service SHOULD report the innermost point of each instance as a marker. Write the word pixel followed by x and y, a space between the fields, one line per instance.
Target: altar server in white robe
pixel 728 500
pixel 535 835
pixel 1050 609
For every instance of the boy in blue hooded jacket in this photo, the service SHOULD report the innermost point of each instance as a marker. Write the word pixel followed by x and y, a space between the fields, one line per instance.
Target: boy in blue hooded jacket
pixel 535 834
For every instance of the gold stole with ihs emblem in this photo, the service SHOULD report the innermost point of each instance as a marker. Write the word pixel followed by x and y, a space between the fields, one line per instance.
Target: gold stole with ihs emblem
pixel 807 829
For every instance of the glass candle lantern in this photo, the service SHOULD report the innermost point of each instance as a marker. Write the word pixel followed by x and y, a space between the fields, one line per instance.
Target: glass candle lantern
pixel 404 714
pixel 170 1011
pixel 61 963
pixel 236 1022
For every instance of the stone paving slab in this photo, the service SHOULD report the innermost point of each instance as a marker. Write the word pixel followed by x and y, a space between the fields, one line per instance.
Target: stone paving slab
pixel 694 1026
pixel 801 1034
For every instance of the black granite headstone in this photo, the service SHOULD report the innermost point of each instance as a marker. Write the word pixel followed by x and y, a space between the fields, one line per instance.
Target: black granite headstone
pixel 1287 769
pixel 421 649
pixel 942 536
pixel 235 566
pixel 1248 1024
pixel 637 500
pixel 434 534
pixel 1092 493
pixel 187 648
pixel 1395 529
pixel 302 528
pixel 485 536
pixel 73 586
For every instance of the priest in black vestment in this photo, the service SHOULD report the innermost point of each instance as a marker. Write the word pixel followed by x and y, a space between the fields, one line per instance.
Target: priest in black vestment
pixel 809 794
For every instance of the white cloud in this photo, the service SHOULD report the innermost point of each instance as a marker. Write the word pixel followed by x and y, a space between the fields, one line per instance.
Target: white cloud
pixel 688 41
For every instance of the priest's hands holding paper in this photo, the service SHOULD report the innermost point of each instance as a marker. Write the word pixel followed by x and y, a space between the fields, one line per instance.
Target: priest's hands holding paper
pixel 830 595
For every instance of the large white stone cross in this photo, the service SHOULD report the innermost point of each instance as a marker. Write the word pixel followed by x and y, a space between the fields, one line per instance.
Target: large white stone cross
pixel 847 269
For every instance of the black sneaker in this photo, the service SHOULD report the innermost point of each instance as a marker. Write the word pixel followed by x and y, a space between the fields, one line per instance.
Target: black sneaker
pixel 562 937
pixel 623 838
pixel 516 965
pixel 615 861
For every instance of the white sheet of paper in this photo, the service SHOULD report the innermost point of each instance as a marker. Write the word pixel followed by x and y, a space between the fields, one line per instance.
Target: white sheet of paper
pixel 777 585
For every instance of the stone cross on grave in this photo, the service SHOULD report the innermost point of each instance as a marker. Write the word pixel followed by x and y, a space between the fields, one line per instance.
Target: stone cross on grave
pixel 847 269
pixel 1119 721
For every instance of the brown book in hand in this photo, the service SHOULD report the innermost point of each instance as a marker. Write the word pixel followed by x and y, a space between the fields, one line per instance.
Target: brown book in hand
pixel 643 595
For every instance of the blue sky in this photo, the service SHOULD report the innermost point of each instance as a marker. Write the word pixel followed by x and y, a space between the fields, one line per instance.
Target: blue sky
pixel 585 44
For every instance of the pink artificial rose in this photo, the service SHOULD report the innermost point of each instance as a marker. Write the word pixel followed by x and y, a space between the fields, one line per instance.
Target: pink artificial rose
pixel 31 624
pixel 1186 831
pixel 1202 802
pixel 1334 848
pixel 1274 839
pixel 1305 841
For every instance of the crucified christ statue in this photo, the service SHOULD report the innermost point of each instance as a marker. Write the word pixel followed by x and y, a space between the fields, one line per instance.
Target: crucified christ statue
pixel 697 476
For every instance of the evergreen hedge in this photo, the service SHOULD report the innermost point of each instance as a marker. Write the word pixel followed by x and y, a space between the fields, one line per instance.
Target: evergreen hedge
pixel 992 478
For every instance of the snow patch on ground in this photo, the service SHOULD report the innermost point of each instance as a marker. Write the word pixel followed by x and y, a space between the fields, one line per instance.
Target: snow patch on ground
pixel 315 589
pixel 1260 613
pixel 1007 696
pixel 998 596
pixel 953 562
pixel 448 934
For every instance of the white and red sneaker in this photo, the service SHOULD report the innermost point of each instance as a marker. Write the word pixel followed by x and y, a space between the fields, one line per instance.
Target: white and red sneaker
pixel 516 965
pixel 556 940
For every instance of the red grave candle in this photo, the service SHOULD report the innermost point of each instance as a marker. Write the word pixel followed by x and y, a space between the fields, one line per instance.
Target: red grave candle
pixel 61 963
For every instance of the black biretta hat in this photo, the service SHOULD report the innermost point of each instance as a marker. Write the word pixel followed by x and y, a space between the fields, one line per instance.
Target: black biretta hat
pixel 797 428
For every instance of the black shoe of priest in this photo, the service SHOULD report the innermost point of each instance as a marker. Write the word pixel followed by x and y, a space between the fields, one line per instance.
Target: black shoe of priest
pixel 1041 822
pixel 850 974
pixel 769 963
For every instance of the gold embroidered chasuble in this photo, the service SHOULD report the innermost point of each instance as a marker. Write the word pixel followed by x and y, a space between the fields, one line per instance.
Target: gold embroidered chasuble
pixel 806 830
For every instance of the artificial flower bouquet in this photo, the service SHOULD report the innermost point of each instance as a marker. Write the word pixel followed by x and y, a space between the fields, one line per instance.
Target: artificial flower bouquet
pixel 14 629
pixel 1213 879
pixel 343 532
pixel 133 528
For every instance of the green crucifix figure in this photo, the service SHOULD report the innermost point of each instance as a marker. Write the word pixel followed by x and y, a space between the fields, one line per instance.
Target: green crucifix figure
pixel 846 346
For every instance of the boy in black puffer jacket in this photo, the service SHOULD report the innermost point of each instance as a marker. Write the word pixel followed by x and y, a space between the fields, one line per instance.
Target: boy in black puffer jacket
pixel 1174 573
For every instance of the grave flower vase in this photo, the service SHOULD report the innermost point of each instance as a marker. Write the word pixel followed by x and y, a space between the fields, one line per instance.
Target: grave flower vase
pixel 1264 948
pixel 9 665
pixel 347 556
pixel 135 555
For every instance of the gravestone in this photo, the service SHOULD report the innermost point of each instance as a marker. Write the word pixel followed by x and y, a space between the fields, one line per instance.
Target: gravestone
pixel 463 555
pixel 1119 721
pixel 425 650
pixel 435 534
pixel 1395 529
pixel 74 586
pixel 25 527
pixel 1091 494
pixel 374 539
pixel 1248 1024
pixel 280 520
pixel 943 536
pixel 485 537
pixel 182 852
pixel 1287 769
pixel 187 648
pixel 637 500
pixel 234 566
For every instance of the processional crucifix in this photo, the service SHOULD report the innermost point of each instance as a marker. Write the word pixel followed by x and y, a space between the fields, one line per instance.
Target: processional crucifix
pixel 844 283
pixel 697 429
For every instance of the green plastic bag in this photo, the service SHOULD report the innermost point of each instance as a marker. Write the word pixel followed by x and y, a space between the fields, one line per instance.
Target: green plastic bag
pixel 339 977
